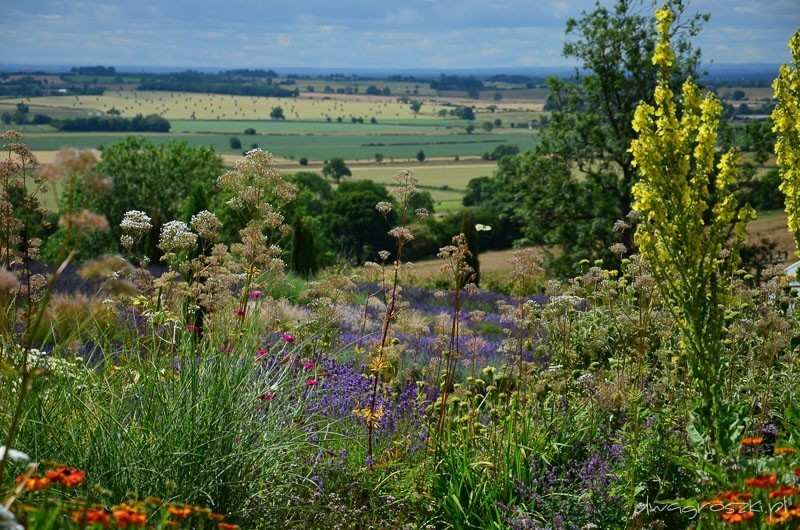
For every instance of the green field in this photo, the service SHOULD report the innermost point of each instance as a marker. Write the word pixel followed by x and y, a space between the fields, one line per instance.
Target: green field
pixel 314 146
pixel 316 127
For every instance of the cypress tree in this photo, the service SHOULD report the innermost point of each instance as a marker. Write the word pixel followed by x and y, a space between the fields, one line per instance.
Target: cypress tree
pixel 469 231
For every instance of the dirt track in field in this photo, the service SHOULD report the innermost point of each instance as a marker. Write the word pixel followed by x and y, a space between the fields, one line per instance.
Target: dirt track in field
pixel 496 262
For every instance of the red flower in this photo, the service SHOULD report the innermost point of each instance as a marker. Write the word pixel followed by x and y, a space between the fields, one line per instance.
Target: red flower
pixel 312 382
pixel 761 482
pixel 267 397
pixel 191 327
pixel 126 515
pixel 90 517
pixel 239 312
pixel 66 477
pixel 308 364
pixel 261 354
pixel 288 337
pixel 783 491
pixel 228 526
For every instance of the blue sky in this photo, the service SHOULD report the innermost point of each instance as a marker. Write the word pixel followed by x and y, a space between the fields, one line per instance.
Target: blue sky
pixel 350 33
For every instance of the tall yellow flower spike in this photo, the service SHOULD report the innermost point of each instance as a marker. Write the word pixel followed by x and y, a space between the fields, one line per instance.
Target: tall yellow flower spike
pixel 684 227
pixel 786 123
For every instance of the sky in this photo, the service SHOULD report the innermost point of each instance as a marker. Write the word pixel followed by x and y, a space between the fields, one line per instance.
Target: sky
pixel 437 34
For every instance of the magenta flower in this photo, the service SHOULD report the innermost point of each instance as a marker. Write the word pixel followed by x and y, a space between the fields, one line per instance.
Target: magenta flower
pixel 239 312
pixel 190 327
pixel 267 397
pixel 261 354
pixel 288 337
pixel 256 295
pixel 308 364
pixel 312 382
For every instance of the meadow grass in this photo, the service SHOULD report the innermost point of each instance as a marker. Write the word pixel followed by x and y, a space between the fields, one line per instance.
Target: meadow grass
pixel 489 410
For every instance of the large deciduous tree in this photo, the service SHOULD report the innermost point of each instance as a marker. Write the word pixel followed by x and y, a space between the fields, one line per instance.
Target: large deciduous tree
pixel 590 126
pixel 156 179
pixel 355 230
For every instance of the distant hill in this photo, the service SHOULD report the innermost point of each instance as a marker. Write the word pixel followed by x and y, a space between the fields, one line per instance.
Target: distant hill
pixel 747 72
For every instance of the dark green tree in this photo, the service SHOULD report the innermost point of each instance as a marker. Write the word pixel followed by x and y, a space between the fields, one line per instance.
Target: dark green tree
pixel 354 229
pixel 335 169
pixel 155 179
pixel 421 156
pixel 471 233
pixel 304 252
pixel 277 113
pixel 235 143
pixel 590 128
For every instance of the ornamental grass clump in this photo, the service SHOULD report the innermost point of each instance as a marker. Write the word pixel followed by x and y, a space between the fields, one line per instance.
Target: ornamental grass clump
pixel 687 209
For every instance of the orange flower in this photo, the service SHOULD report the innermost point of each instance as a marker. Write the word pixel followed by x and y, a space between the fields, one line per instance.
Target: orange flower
pixel 783 491
pixel 184 512
pixel 216 516
pixel 735 495
pixel 67 477
pixel 780 516
pixel 34 483
pixel 785 451
pixel 752 442
pixel 126 515
pixel 90 517
pixel 760 482
pixel 736 516
pixel 228 526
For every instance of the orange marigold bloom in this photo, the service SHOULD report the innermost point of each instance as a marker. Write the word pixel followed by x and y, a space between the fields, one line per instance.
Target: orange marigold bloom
pixel 735 495
pixel 780 516
pixel 90 517
pixel 752 442
pixel 216 516
pixel 736 516
pixel 784 491
pixel 34 483
pixel 761 482
pixel 66 477
pixel 228 526
pixel 785 451
pixel 126 515
pixel 184 512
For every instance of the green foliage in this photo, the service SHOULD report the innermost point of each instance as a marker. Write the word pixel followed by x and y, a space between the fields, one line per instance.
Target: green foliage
pixel 277 113
pixel 354 230
pixel 590 123
pixel 235 143
pixel 156 179
pixel 304 251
